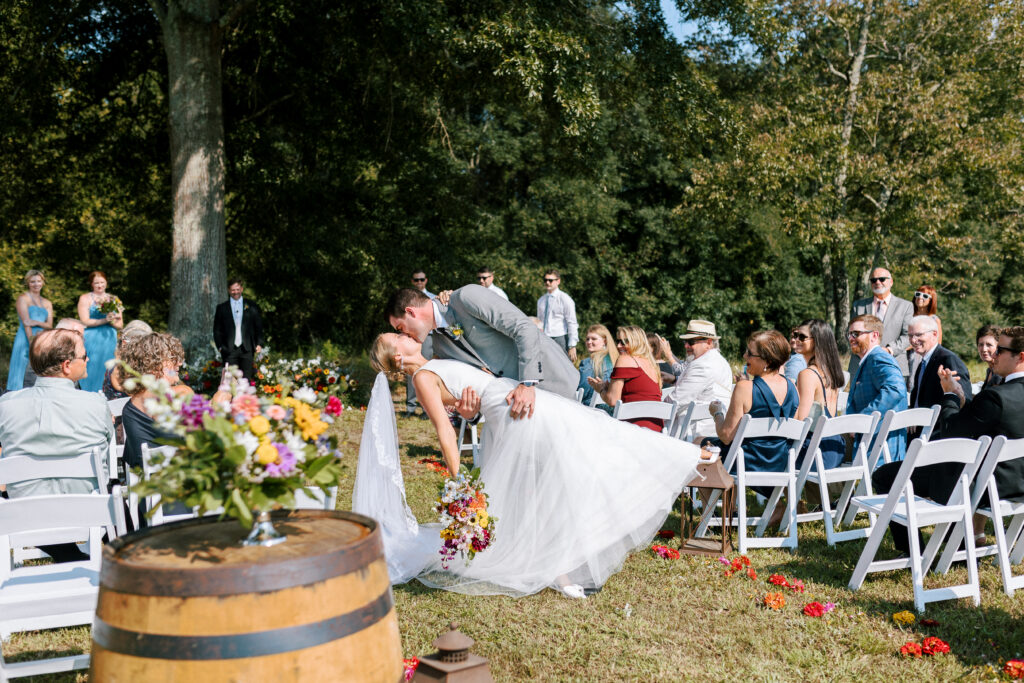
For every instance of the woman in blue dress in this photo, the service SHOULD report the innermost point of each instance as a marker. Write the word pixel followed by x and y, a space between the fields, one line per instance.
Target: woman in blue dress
pixel 35 313
pixel 820 382
pixel 599 362
pixel 100 330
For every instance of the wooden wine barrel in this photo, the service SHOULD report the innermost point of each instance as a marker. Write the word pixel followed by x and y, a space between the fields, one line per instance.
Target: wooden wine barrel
pixel 186 602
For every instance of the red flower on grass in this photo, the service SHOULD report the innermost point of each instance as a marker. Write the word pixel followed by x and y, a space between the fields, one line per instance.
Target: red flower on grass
pixel 934 646
pixel 929 622
pixel 664 552
pixel 410 667
pixel 666 533
pixel 814 609
pixel 751 574
pixel 911 649
pixel 1014 669
pixel 778 580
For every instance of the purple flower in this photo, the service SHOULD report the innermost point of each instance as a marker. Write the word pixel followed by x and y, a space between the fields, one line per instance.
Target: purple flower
pixel 285 464
pixel 192 412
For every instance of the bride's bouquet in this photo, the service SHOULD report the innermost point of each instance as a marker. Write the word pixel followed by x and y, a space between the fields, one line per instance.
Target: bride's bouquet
pixel 466 527
pixel 111 304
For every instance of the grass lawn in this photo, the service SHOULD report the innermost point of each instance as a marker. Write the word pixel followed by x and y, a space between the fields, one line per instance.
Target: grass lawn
pixel 682 619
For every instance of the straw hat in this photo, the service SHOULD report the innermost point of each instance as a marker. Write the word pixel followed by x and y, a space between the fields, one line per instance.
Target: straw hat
pixel 700 329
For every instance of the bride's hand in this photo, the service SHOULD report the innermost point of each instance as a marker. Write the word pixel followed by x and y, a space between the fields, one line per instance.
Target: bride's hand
pixel 444 297
pixel 469 405
pixel 521 399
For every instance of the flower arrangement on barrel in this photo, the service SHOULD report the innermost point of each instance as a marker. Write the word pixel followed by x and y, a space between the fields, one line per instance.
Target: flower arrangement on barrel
pixel 241 452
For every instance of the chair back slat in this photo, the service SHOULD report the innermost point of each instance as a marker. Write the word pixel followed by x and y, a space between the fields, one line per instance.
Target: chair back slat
pixel 644 409
pixel 85 465
pixel 116 406
pixel 966 451
pixel 849 424
pixel 74 510
pixel 914 417
pixel 765 427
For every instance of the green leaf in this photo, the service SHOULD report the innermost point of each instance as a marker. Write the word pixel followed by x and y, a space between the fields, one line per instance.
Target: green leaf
pixel 244 514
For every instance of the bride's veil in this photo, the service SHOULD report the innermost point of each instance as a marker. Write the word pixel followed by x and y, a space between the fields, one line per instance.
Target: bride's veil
pixel 380 490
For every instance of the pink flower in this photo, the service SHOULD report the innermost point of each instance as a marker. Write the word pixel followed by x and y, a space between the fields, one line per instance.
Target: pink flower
pixel 724 561
pixel 334 406
pixel 797 586
pixel 276 412
pixel 246 405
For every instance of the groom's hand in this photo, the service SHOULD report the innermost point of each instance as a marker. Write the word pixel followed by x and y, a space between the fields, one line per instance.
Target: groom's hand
pixel 521 399
pixel 469 405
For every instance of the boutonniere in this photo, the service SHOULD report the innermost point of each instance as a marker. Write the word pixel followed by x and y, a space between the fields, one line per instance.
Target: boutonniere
pixel 456 330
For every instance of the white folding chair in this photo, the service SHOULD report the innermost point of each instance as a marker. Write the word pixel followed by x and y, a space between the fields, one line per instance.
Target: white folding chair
pixel 85 465
pixel 596 399
pixel 841 401
pixel 794 431
pixel 53 595
pixel 902 506
pixel 681 422
pixel 474 439
pixel 893 421
pixel 115 452
pixel 651 410
pixel 116 406
pixel 853 474
pixel 579 394
pixel 315 498
pixel 1009 545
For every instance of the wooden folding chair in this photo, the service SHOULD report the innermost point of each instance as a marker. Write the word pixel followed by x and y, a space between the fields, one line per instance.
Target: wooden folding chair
pixel 902 506
pixel 1009 545
pixel 794 431
pixel 852 475
pixel 53 595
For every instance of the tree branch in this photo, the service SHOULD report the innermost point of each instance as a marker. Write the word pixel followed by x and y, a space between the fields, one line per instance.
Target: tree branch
pixel 231 16
pixel 159 9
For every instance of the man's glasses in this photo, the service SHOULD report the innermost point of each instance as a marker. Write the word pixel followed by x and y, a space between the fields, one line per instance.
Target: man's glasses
pixel 483 278
pixel 800 336
pixel 874 280
pixel 918 335
pixel 74 358
pixel 419 279
pixel 551 279
pixel 1000 349
pixel 922 295
pixel 691 342
pixel 855 334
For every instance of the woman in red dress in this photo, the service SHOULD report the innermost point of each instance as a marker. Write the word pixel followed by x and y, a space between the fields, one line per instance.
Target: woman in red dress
pixel 636 376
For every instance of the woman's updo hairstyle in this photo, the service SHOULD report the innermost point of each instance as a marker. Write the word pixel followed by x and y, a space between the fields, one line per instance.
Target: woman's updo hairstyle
pixel 382 357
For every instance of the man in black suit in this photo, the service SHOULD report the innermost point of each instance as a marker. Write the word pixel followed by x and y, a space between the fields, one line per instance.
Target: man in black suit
pixel 238 330
pixel 996 411
pixel 925 389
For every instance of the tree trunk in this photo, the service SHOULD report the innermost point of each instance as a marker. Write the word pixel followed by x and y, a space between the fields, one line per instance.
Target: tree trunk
pixel 192 41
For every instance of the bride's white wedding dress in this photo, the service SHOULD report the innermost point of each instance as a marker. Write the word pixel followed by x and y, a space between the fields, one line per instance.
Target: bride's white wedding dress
pixel 573 490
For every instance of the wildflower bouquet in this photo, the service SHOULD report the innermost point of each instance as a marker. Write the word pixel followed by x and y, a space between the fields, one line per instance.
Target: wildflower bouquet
pixel 275 377
pixel 111 304
pixel 245 454
pixel 466 527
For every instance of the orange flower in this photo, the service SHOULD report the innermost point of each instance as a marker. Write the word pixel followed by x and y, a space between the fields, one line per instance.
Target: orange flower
pixel 934 646
pixel 1014 669
pixel 775 601
pixel 911 650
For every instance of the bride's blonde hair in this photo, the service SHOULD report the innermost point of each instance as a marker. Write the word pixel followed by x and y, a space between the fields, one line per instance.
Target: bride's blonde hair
pixel 382 357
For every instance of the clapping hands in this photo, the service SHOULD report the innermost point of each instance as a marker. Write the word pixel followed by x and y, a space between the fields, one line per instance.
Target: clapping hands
pixel 950 381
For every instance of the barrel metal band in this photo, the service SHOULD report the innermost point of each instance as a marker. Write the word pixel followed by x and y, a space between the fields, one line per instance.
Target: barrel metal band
pixel 241 645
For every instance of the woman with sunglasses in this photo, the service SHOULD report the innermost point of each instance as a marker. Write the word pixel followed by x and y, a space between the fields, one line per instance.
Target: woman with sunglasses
pixel 636 376
pixel 599 363
pixel 926 302
pixel 819 383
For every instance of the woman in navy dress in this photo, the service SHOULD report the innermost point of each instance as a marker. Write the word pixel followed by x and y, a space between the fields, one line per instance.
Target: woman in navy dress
pixel 768 394
pixel 35 313
pixel 100 330
pixel 820 382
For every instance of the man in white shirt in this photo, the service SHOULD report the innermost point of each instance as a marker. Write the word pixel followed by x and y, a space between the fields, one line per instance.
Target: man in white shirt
pixel 704 377
pixel 485 278
pixel 557 312
pixel 419 281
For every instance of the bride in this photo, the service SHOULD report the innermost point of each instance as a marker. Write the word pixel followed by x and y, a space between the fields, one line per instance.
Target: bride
pixel 573 490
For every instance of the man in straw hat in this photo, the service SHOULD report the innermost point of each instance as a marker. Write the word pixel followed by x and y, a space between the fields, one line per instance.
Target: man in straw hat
pixel 706 375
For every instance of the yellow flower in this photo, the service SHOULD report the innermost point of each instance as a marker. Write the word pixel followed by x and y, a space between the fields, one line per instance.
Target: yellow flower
pixel 447 534
pixel 482 519
pixel 308 421
pixel 266 454
pixel 905 618
pixel 259 425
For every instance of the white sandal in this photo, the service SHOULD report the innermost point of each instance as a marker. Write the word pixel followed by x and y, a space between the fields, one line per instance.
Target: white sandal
pixel 573 590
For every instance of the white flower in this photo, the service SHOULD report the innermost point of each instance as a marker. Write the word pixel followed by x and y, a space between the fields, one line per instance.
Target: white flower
pixel 247 440
pixel 295 444
pixel 305 394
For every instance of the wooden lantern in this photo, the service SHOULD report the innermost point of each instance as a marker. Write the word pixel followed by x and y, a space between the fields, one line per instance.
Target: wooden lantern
pixel 715 477
pixel 453 661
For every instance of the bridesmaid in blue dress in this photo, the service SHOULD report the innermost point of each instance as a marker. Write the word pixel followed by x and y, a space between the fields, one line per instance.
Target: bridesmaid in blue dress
pixel 100 331
pixel 35 313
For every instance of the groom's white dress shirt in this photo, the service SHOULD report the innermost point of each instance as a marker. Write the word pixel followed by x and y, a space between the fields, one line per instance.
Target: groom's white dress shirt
pixel 236 314
pixel 557 311
pixel 703 380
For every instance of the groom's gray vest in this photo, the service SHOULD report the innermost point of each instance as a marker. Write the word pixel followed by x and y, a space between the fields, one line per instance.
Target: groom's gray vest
pixel 499 337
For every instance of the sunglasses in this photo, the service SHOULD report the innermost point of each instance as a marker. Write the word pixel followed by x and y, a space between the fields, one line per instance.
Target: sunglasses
pixel 85 358
pixel 419 279
pixel 873 280
pixel 551 279
pixel 922 295
pixel 749 354
pixel 1000 349
pixel 483 278
pixel 855 334
pixel 800 336
pixel 620 342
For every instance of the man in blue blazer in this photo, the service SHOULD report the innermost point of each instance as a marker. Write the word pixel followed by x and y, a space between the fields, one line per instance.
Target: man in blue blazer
pixel 878 384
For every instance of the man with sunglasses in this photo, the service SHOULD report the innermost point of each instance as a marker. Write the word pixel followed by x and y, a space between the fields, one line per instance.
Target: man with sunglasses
pixel 878 383
pixel 705 376
pixel 895 314
pixel 995 411
pixel 419 281
pixel 557 312
pixel 53 419
pixel 485 278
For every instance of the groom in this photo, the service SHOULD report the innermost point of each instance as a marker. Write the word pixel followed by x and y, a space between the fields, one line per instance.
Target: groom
pixel 480 328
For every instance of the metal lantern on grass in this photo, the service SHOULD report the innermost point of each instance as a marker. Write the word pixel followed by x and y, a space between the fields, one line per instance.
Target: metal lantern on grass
pixel 453 661
pixel 715 477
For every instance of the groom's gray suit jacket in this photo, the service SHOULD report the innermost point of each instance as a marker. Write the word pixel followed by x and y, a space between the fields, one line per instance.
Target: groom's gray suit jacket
pixel 499 337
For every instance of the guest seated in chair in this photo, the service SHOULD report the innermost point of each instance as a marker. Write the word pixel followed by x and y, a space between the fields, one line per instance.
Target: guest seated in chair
pixel 600 360
pixel 133 331
pixel 705 375
pixel 159 355
pixel 635 377
pixel 987 340
pixel 819 382
pixel 53 419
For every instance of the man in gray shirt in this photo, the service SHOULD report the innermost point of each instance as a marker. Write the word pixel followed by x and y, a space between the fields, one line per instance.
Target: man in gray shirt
pixel 54 419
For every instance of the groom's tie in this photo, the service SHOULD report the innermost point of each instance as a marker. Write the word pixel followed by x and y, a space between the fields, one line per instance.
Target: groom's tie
pixel 457 340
